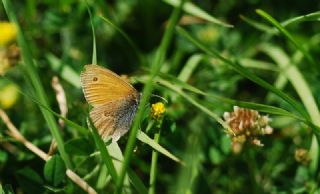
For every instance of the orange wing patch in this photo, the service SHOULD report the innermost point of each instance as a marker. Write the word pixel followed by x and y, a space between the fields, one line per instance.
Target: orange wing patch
pixel 101 85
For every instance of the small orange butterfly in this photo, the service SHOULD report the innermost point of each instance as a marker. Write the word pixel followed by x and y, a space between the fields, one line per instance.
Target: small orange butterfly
pixel 114 101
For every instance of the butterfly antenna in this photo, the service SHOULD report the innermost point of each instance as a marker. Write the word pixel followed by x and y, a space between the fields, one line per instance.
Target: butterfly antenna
pixel 154 95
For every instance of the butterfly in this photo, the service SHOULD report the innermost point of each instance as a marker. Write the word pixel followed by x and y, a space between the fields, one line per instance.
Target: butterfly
pixel 114 100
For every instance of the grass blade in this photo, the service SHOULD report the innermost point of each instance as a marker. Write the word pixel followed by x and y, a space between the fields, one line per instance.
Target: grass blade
pixel 32 74
pixel 152 143
pixel 103 151
pixel 302 88
pixel 94 47
pixel 244 72
pixel 314 16
pixel 287 35
pixel 194 10
pixel 146 93
pixel 194 102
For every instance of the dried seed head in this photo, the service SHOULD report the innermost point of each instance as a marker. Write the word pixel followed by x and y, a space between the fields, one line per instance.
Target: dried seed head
pixel 247 125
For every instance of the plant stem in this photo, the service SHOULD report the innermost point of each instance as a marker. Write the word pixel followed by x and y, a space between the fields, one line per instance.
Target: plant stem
pixel 154 164
pixel 174 18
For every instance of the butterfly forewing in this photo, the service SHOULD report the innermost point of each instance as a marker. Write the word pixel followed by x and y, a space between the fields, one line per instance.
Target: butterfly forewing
pixel 101 85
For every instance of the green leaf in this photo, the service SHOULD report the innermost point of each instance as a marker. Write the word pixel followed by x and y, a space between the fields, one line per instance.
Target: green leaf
pixel 79 146
pixel 55 170
pixel 3 156
pixel 225 144
pixel 215 155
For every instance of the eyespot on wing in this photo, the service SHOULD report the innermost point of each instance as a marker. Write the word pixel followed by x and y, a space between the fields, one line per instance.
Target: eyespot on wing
pixel 101 85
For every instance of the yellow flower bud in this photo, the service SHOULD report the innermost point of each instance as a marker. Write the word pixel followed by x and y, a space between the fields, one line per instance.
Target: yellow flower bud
pixel 157 110
pixel 8 33
pixel 9 95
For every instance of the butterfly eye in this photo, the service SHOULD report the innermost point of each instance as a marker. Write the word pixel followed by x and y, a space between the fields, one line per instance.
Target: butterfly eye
pixel 95 79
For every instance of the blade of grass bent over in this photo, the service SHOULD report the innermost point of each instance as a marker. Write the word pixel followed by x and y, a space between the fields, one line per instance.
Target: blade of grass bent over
pixel 302 88
pixel 314 16
pixel 194 10
pixel 147 90
pixel 32 74
pixel 287 35
pixel 244 72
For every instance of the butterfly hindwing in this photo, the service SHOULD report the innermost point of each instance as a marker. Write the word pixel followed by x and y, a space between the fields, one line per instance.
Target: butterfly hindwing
pixel 114 118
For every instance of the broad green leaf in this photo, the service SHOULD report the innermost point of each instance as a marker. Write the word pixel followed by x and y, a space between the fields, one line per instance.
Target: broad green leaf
pixel 55 170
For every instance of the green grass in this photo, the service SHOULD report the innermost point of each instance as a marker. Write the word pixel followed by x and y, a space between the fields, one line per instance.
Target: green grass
pixel 202 57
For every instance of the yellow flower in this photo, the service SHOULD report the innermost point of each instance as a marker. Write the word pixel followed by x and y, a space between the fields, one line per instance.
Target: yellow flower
pixel 9 95
pixel 8 32
pixel 157 110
